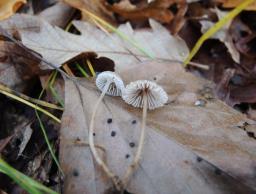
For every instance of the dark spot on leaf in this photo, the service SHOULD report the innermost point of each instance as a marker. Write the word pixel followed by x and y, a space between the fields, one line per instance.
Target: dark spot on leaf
pixel 113 1
pixel 132 144
pixel 198 159
pixel 78 139
pixel 134 122
pixel 242 107
pixel 250 134
pixel 75 173
pixel 217 171
pixel 127 192
pixel 109 121
pixel 113 133
pixel 72 186
pixel 127 156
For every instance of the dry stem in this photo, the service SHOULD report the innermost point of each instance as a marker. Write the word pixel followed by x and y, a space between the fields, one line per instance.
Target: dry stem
pixel 96 156
pixel 131 169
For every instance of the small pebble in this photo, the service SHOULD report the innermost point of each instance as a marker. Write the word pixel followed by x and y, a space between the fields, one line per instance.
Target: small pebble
pixel 200 102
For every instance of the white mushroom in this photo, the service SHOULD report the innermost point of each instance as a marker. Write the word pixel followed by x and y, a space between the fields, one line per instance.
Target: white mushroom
pixel 109 83
pixel 156 96
pixel 147 95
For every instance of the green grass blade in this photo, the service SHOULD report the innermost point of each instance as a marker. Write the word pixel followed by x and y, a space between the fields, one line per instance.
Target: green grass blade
pixel 91 68
pixel 32 100
pixel 30 104
pixel 50 81
pixel 27 183
pixel 119 33
pixel 56 96
pixel 48 142
pixel 83 72
pixel 216 27
pixel 53 91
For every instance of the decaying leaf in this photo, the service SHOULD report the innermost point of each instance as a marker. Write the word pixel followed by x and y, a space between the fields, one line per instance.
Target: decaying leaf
pixel 9 7
pixel 58 15
pixel 58 46
pixel 176 135
pixel 16 62
pixel 223 34
pixel 94 6
pixel 157 10
pixel 4 142
pixel 27 132
pixel 235 3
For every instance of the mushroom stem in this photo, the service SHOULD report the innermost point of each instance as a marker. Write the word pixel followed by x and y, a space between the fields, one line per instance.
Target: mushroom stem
pixel 95 154
pixel 138 154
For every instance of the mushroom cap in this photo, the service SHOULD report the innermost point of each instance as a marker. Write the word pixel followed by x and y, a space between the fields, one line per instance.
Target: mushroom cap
pixel 133 94
pixel 116 84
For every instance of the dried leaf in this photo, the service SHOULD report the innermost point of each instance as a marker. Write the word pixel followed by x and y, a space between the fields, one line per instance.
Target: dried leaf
pixel 58 46
pixel 211 131
pixel 157 10
pixel 9 7
pixel 235 3
pixel 223 34
pixel 94 6
pixel 26 137
pixel 4 142
pixel 21 64
pixel 58 15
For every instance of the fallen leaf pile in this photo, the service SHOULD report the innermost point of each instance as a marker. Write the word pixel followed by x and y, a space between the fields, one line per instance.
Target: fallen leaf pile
pixel 195 143
pixel 212 132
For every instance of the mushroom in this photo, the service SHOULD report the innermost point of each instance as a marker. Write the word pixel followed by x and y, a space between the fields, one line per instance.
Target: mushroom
pixel 111 84
pixel 147 95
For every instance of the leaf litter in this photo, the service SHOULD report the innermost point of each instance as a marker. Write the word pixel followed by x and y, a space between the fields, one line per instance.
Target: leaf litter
pixel 189 143
pixel 179 123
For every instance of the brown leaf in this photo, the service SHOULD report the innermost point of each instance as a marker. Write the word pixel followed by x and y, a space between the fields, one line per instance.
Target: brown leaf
pixel 9 7
pixel 223 34
pixel 94 6
pixel 58 46
pixel 58 15
pixel 19 62
pixel 4 142
pixel 210 131
pixel 157 10
pixel 243 94
pixel 235 3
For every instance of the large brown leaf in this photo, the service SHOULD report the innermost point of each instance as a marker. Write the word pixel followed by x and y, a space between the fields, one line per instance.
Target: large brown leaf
pixel 176 135
pixel 57 46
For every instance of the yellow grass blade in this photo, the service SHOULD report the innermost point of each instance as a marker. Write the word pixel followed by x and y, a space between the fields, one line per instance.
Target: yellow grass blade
pixel 216 27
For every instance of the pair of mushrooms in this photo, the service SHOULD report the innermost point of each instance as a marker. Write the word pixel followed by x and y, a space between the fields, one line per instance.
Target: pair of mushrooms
pixel 140 94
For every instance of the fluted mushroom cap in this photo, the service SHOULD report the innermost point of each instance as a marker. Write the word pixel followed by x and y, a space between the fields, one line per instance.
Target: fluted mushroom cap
pixel 116 84
pixel 133 94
